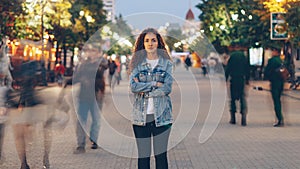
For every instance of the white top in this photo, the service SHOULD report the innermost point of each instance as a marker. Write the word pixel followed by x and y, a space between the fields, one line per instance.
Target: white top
pixel 150 109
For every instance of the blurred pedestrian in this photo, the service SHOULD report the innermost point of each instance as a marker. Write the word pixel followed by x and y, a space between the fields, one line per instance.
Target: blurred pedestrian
pixel 5 64
pixel 151 83
pixel 90 98
pixel 127 62
pixel 117 75
pixel 238 72
pixel 290 65
pixel 59 72
pixel 276 82
pixel 3 114
pixel 23 124
pixel 188 62
pixel 112 67
pixel 204 66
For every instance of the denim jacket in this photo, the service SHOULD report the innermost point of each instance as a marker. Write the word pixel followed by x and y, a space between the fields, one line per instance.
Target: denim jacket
pixel 146 88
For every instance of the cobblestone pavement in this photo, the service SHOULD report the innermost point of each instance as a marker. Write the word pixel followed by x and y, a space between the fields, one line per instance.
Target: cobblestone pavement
pixel 258 145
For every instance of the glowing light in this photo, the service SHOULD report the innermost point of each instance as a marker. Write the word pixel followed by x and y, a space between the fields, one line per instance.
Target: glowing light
pixel 243 12
pixel 81 13
pixel 222 27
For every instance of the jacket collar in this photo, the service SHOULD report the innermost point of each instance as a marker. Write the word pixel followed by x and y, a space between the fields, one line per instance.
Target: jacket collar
pixel 160 61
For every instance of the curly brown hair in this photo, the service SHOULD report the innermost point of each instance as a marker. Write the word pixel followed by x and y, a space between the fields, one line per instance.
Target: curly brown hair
pixel 139 52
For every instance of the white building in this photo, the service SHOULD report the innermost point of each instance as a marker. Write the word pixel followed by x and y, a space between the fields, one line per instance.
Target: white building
pixel 109 7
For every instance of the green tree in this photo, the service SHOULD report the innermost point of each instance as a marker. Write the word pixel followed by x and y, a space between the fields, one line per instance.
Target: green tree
pixel 292 18
pixel 218 21
pixel 246 22
pixel 120 29
pixel 174 36
pixel 10 10
pixel 88 16
pixel 252 26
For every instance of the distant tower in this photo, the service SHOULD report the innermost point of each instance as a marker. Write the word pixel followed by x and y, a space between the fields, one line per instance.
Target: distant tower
pixel 109 7
pixel 189 15
pixel 190 26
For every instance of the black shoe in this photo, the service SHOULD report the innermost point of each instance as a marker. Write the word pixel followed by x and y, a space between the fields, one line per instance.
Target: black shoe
pixel 232 121
pixel 25 166
pixel 278 124
pixel 232 118
pixel 94 145
pixel 79 150
pixel 244 123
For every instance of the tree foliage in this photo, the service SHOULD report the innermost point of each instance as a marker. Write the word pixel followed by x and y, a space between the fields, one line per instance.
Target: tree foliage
pixel 174 36
pixel 246 22
pixel 121 31
pixel 10 11
pixel 88 17
pixel 293 20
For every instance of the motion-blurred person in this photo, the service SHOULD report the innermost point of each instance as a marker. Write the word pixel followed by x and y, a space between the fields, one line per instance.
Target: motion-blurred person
pixel 128 58
pixel 3 114
pixel 290 65
pixel 238 71
pixel 276 83
pixel 188 62
pixel 151 83
pixel 204 66
pixel 90 99
pixel 5 64
pixel 59 72
pixel 22 127
pixel 117 76
pixel 112 67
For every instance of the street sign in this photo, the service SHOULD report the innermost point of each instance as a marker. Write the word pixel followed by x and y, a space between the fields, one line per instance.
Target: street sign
pixel 279 29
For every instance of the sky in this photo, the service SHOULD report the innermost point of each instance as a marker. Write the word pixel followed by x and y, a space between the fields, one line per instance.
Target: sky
pixel 139 12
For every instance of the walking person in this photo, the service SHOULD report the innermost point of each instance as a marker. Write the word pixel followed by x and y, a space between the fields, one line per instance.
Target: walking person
pixel 3 114
pixel 238 72
pixel 188 62
pixel 90 98
pixel 112 67
pixel 276 83
pixel 117 75
pixel 5 64
pixel 204 66
pixel 59 72
pixel 151 83
pixel 29 102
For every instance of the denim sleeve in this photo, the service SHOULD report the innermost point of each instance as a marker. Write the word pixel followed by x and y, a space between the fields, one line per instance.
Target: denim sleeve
pixel 137 87
pixel 166 88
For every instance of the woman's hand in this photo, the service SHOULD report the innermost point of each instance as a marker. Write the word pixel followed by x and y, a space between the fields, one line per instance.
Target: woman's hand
pixel 136 79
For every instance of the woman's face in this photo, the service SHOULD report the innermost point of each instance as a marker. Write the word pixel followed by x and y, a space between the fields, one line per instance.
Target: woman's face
pixel 150 42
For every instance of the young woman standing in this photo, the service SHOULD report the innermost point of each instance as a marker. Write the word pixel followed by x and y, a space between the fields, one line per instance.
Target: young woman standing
pixel 151 83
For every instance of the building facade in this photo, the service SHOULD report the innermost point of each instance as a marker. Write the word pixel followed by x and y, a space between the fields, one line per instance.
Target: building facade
pixel 109 7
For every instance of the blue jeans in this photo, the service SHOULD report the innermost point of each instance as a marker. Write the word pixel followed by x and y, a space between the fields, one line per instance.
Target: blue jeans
pixel 160 144
pixel 83 109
